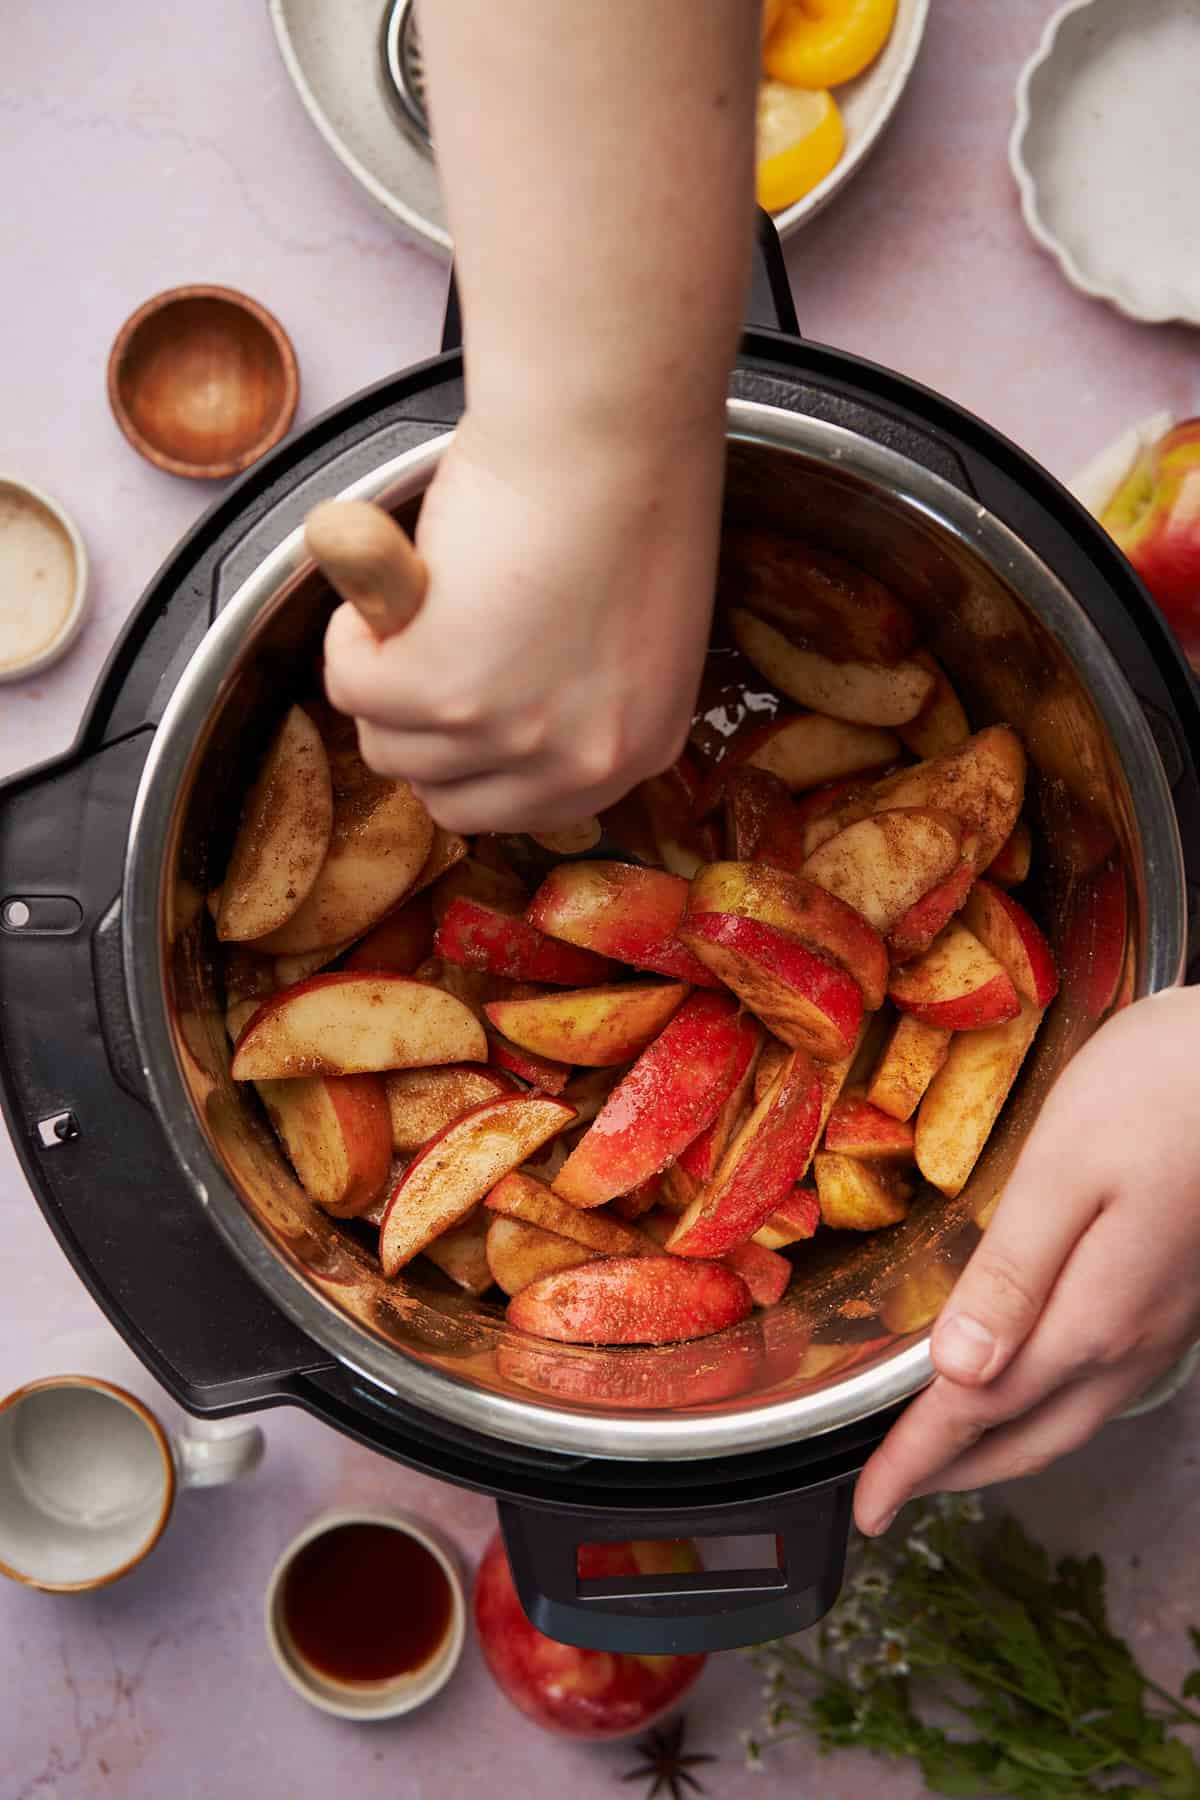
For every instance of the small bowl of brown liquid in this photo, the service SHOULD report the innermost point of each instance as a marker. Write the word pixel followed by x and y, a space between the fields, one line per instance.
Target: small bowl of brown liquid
pixel 365 1614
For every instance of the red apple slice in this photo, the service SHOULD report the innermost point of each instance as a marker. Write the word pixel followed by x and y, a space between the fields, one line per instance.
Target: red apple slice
pixel 941 725
pixel 701 1159
pixel 956 984
pixel 597 1027
pixel 1094 939
pixel 815 596
pixel 492 885
pixel 283 836
pixel 1004 927
pixel 803 999
pixel 632 1300
pixel 400 943
pixel 336 1133
pixel 673 1091
pixel 760 1168
pixel 802 752
pixel 856 1128
pixel 864 693
pixel 859 1196
pixel 519 1254
pixel 881 866
pixel 1011 863
pixel 774 1055
pixel 422 1102
pixel 542 1074
pixel 767 1274
pixel 461 1253
pixel 915 930
pixel 982 783
pixel 520 1196
pixel 353 1024
pixel 830 809
pixel 912 1057
pixel 802 909
pixel 238 1015
pixel 639 1201
pixel 794 1220
pixel 454 1172
pixel 619 911
pixel 481 937
pixel 966 1096
pixel 762 824
pixel 662 1378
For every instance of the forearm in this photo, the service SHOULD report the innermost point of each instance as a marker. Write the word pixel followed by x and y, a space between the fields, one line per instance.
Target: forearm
pixel 597 162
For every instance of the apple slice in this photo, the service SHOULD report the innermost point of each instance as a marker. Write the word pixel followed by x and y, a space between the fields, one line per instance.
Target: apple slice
pixel 447 850
pixel 801 908
pixel 422 1102
pixel 1004 927
pixel 767 1274
pixel 672 1092
pixel 541 1073
pixel 246 976
pixel 982 783
pixel 492 885
pixel 881 866
pixel 521 1196
pixel 830 809
pixel 794 1220
pixel 663 1378
pixel 814 595
pixel 348 1024
pixel 238 1015
pixel 774 1055
pixel 462 1164
pixel 864 693
pixel 400 943
pixel 1094 939
pixel 760 1167
pixel 956 984
pixel 336 1133
pixel 671 804
pixel 519 1254
pixel 588 1089
pixel 965 1098
pixel 597 1027
pixel 283 836
pixel 856 1128
pixel 761 823
pixel 1010 865
pixel 291 970
pixel 859 1196
pixel 913 1056
pixel 701 1159
pixel 461 1253
pixel 481 937
pixel 618 911
pixel 808 1002
pixel 915 930
pixel 941 725
pixel 802 752
pixel 639 1201
pixel 632 1300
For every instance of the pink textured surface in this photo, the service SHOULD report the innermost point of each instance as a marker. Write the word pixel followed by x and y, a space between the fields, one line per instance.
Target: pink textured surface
pixel 168 147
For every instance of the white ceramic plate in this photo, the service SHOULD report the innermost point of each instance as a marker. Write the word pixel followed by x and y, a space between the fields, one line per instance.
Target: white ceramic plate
pixel 1106 150
pixel 331 50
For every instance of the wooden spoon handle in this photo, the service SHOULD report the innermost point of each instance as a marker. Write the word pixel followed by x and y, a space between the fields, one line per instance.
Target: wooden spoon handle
pixel 371 562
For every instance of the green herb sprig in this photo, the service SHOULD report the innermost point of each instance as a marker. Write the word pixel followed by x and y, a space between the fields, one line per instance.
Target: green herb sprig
pixel 962 1647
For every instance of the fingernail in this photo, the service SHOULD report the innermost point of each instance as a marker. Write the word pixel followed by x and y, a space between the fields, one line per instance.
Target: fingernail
pixel 883 1524
pixel 964 1346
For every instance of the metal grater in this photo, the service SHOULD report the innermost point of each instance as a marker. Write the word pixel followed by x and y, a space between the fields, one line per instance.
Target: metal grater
pixel 404 70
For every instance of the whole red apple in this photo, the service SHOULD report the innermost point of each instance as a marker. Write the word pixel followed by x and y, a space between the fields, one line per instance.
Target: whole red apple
pixel 1155 518
pixel 581 1693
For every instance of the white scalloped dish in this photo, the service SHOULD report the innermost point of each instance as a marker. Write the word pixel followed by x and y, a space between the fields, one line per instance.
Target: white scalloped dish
pixel 1106 152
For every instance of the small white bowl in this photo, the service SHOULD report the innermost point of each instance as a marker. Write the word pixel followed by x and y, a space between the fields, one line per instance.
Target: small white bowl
pixel 38 540
pixel 367 1702
pixel 1105 150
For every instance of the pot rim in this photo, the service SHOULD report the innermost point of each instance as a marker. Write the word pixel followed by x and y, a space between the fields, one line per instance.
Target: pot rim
pixel 532 1423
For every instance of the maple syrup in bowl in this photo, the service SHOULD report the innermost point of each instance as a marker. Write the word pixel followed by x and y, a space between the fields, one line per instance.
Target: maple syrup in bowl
pixel 365 1614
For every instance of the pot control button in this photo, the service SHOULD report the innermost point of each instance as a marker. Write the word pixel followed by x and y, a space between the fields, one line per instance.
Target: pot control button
pixel 59 1128
pixel 1166 738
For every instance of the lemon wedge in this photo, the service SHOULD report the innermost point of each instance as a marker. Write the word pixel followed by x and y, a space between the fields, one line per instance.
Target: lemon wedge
pixel 800 138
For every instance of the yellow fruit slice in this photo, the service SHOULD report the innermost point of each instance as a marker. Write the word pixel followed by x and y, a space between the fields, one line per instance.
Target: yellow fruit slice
pixel 772 12
pixel 800 138
pixel 821 43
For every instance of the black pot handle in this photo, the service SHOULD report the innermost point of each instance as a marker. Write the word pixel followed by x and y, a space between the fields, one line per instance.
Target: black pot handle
pixel 670 1615
pixel 768 308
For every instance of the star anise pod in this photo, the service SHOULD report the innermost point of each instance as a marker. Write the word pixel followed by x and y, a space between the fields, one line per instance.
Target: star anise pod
pixel 667 1766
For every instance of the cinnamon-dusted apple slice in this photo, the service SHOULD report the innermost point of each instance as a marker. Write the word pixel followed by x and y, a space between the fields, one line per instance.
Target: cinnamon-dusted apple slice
pixel 794 1220
pixel 238 1015
pixel 422 1102
pixel 520 1196
pixel 1004 927
pixel 912 1057
pixel 802 998
pixel 246 976
pixel 663 1378
pixel 771 1060
pixel 519 1254
pixel 762 824
pixel 767 1274
pixel 760 1167
pixel 347 1024
pixel 616 910
pixel 1094 939
pixel 915 930
pixel 982 783
pixel 400 943
pixel 956 984
pixel 672 1092
pixel 702 1157
pixel 596 1027
pixel 859 1196
pixel 461 1253
pixel 803 751
pixel 639 1201
pixel 941 725
pixel 857 1128
pixel 830 809
pixel 492 884
pixel 283 836
pixel 291 970
pixel 864 693
pixel 1011 864
pixel 803 909
pixel 482 937
pixel 454 1172
pixel 816 596
pixel 966 1096
pixel 446 852
pixel 632 1300
pixel 336 1133
pixel 542 1073
pixel 882 865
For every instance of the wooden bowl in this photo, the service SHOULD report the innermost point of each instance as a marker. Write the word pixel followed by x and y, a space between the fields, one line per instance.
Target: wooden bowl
pixel 203 381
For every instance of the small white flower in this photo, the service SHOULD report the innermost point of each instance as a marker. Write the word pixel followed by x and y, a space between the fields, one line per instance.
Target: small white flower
pixel 921 1550
pixel 859 1675
pixel 871 1583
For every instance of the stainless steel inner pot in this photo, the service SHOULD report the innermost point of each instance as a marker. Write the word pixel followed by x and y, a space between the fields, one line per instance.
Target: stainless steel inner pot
pixel 852 1335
